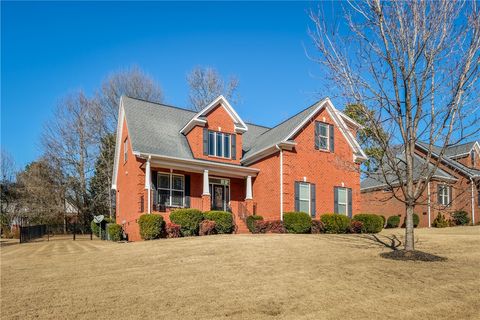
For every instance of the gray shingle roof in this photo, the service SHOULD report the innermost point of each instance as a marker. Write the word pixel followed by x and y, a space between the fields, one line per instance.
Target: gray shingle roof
pixel 377 179
pixel 280 132
pixel 452 151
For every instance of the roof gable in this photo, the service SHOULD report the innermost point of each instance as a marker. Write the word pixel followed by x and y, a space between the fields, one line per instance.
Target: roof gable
pixel 199 118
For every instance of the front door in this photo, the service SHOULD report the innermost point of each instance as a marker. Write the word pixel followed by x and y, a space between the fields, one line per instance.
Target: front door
pixel 218 198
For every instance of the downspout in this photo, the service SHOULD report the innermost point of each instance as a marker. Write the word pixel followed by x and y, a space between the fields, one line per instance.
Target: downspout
pixel 473 201
pixel 147 184
pixel 281 181
pixel 429 205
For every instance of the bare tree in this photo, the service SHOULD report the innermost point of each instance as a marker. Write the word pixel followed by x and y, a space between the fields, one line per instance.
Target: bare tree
pixel 69 143
pixel 206 84
pixel 413 65
pixel 134 83
pixel 8 189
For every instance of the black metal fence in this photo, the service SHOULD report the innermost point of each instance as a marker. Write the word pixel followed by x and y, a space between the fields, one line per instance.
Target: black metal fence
pixel 32 232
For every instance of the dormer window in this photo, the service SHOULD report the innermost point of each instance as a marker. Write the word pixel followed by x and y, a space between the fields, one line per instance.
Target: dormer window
pixel 219 144
pixel 324 139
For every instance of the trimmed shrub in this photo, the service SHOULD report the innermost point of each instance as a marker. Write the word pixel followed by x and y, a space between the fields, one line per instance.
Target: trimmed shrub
pixel 115 231
pixel 172 230
pixel 251 221
pixel 460 218
pixel 261 226
pixel 356 226
pixel 276 226
pixel 297 222
pixel 384 220
pixel 223 220
pixel 207 227
pixel 440 221
pixel 416 220
pixel 151 226
pixel 188 219
pixel 317 227
pixel 371 222
pixel 335 223
pixel 393 222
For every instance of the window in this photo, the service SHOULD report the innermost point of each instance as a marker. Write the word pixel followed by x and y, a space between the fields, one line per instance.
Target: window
pixel 323 136
pixel 444 193
pixel 171 189
pixel 342 201
pixel 219 144
pixel 304 197
pixel 125 150
pixel 472 155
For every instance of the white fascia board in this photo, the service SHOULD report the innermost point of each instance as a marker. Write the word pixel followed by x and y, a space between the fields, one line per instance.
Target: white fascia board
pixel 121 119
pixel 239 124
pixel 203 164
pixel 345 117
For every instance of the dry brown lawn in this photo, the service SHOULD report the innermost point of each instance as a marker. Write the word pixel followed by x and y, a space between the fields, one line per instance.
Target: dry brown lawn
pixel 243 277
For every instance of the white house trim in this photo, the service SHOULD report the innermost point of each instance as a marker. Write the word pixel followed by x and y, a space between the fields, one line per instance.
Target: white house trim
pixel 239 125
pixel 121 119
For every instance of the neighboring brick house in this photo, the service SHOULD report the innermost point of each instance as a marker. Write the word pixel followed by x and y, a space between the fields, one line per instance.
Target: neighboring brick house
pixel 454 186
pixel 168 158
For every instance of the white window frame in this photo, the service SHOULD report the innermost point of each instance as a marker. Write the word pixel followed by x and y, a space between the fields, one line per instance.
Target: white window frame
pixel 327 126
pixel 444 188
pixel 342 203
pixel 170 189
pixel 222 136
pixel 125 150
pixel 309 197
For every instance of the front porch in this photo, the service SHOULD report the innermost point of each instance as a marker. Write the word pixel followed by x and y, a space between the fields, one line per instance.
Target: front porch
pixel 204 185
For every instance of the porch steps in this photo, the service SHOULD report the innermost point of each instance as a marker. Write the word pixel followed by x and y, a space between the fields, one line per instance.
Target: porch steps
pixel 241 226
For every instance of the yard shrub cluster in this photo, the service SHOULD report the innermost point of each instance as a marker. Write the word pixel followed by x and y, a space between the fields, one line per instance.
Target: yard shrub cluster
pixel 356 226
pixel 251 221
pixel 297 222
pixel 172 230
pixel 223 221
pixel 335 223
pixel 115 231
pixel 372 223
pixel 151 226
pixel 188 219
pixel 440 221
pixel 274 226
pixel 460 218
pixel 317 227
pixel 207 227
pixel 393 222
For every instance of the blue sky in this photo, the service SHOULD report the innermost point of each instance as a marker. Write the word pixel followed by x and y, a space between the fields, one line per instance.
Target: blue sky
pixel 50 49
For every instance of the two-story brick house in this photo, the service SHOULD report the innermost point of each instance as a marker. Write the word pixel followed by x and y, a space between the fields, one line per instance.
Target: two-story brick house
pixel 455 186
pixel 167 157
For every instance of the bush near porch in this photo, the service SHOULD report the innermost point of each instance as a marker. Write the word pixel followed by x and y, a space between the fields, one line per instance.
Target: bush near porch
pixel 151 226
pixel 188 219
pixel 223 221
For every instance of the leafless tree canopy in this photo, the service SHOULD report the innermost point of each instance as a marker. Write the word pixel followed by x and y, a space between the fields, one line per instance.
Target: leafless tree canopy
pixel 206 84
pixel 414 66
pixel 7 166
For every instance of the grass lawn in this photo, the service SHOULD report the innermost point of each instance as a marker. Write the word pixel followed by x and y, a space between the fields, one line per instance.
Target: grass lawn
pixel 243 277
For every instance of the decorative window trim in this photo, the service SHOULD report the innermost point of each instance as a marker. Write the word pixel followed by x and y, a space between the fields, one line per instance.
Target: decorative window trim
pixel 320 136
pixel 171 189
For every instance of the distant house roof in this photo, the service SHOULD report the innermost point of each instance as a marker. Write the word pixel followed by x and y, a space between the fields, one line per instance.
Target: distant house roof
pixel 386 177
pixel 455 151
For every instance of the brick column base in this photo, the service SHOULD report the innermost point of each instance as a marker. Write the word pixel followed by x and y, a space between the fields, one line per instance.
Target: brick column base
pixel 206 203
pixel 249 206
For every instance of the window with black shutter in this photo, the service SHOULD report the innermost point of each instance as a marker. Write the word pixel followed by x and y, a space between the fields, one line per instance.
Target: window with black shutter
pixel 324 136
pixel 305 197
pixel 342 201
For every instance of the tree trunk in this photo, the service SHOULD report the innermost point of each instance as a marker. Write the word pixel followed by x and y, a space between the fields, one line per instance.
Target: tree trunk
pixel 409 237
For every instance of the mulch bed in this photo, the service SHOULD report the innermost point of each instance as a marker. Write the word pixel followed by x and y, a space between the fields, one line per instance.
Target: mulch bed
pixel 412 256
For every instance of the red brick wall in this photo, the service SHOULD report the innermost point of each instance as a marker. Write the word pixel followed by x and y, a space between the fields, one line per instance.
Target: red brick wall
pixel 327 170
pixel 217 120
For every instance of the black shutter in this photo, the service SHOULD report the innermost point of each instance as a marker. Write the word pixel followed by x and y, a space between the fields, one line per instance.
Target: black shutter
pixel 312 200
pixel 205 141
pixel 335 200
pixel 317 140
pixel 155 190
pixel 187 191
pixel 450 199
pixel 233 139
pixel 297 196
pixel 332 140
pixel 349 202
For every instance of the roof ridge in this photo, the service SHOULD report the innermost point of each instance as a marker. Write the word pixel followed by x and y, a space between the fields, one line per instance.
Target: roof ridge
pixel 161 104
pixel 257 125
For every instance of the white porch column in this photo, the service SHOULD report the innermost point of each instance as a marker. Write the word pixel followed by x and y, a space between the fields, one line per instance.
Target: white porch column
pixel 148 183
pixel 249 188
pixel 206 189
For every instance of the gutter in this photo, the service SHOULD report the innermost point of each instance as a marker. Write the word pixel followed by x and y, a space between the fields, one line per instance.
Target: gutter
pixel 281 181
pixel 473 202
